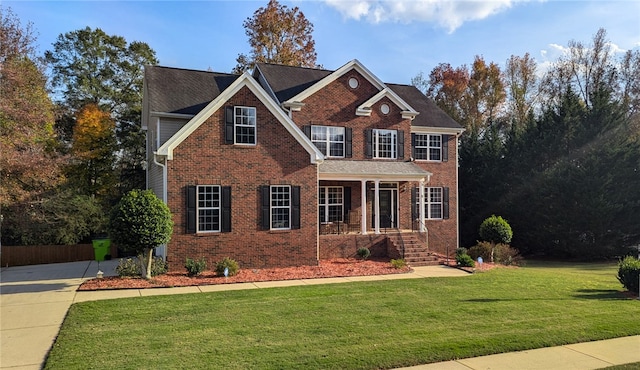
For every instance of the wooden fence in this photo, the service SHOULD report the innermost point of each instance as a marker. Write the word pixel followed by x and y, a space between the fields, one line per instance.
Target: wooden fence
pixel 21 255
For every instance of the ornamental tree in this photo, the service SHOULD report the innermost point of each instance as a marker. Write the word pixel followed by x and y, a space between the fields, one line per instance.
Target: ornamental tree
pixel 495 230
pixel 139 223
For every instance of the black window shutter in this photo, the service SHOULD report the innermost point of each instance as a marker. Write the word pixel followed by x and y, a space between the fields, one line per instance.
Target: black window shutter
pixel 265 206
pixel 445 203
pixel 414 203
pixel 413 146
pixel 228 125
pixel 307 130
pixel 348 138
pixel 368 150
pixel 191 210
pixel 226 209
pixel 347 200
pixel 400 144
pixel 445 147
pixel 295 207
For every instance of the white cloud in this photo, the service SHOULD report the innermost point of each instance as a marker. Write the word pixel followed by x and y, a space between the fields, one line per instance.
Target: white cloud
pixel 449 14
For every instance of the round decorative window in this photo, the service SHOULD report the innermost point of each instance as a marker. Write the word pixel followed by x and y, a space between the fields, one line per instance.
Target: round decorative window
pixel 384 108
pixel 353 83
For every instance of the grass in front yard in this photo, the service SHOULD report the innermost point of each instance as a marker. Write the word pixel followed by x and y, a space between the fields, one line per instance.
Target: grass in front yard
pixel 367 325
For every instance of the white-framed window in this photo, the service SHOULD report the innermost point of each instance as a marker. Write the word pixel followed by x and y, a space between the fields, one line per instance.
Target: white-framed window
pixel 208 208
pixel 385 144
pixel 331 203
pixel 330 140
pixel 280 207
pixel 433 202
pixel 428 147
pixel 244 121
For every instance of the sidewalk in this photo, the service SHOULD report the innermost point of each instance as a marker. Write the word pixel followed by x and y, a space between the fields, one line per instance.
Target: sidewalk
pixel 34 301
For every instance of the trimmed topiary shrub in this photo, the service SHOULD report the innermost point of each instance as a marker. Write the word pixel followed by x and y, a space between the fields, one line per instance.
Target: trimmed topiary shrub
pixel 363 253
pixel 228 263
pixel 629 273
pixel 195 267
pixel 496 229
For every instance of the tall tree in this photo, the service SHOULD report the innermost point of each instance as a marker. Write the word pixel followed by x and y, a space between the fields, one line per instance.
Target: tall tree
pixel 485 94
pixel 278 35
pixel 447 87
pixel 522 89
pixel 92 171
pixel 28 161
pixel 92 67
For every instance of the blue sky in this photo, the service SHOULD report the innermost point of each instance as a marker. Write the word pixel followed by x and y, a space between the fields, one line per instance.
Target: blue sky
pixel 395 39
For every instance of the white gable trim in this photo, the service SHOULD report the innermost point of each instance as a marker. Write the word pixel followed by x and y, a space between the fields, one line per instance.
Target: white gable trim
pixel 244 80
pixel 407 111
pixel 354 64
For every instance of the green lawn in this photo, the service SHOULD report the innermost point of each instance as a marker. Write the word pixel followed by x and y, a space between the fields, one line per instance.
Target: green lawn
pixel 367 325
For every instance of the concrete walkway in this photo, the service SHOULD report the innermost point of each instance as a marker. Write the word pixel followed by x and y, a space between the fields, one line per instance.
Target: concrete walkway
pixel 34 301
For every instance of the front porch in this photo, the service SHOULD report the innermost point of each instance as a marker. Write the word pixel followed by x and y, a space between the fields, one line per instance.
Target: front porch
pixel 412 246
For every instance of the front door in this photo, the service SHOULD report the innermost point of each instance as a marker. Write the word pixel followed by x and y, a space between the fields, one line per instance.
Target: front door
pixel 388 209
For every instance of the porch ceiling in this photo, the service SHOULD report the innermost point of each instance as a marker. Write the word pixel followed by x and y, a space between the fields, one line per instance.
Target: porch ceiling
pixel 371 170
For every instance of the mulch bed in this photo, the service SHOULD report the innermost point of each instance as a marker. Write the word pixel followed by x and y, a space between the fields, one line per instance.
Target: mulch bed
pixel 340 267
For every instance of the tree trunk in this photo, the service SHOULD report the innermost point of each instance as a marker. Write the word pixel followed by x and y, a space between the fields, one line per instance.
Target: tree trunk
pixel 149 260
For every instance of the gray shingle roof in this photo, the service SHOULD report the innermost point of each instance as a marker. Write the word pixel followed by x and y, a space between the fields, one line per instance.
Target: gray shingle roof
pixel 430 114
pixel 287 81
pixel 372 169
pixel 175 90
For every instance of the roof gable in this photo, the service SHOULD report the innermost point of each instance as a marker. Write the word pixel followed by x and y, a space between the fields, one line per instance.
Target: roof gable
pixel 352 65
pixel 244 80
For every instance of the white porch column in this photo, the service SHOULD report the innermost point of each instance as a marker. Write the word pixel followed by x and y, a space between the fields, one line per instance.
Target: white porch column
pixel 377 206
pixel 363 207
pixel 423 227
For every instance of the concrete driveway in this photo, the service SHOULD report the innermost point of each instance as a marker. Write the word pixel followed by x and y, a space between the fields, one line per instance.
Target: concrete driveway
pixel 34 301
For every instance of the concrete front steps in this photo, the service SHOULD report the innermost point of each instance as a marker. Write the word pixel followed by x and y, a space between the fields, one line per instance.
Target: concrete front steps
pixel 416 252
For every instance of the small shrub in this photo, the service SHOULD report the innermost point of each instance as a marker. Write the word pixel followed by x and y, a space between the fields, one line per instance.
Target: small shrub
pixel 128 267
pixel 363 253
pixel 629 273
pixel 227 262
pixel 158 266
pixel 464 260
pixel 195 267
pixel 460 251
pixel 502 253
pixel 131 267
pixel 399 263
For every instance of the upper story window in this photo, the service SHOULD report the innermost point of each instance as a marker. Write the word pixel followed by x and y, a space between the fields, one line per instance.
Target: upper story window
pixel 240 125
pixel 385 144
pixel 329 140
pixel 430 147
pixel 332 141
pixel 245 125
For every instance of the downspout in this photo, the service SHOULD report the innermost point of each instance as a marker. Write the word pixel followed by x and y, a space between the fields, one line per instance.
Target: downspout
pixel 162 250
pixel 457 192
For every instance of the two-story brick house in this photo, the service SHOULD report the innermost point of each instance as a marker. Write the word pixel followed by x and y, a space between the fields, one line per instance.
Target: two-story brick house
pixel 291 165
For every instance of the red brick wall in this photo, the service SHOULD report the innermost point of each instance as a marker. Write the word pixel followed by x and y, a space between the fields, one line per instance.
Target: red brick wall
pixel 346 246
pixel 336 105
pixel 204 159
pixel 444 233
